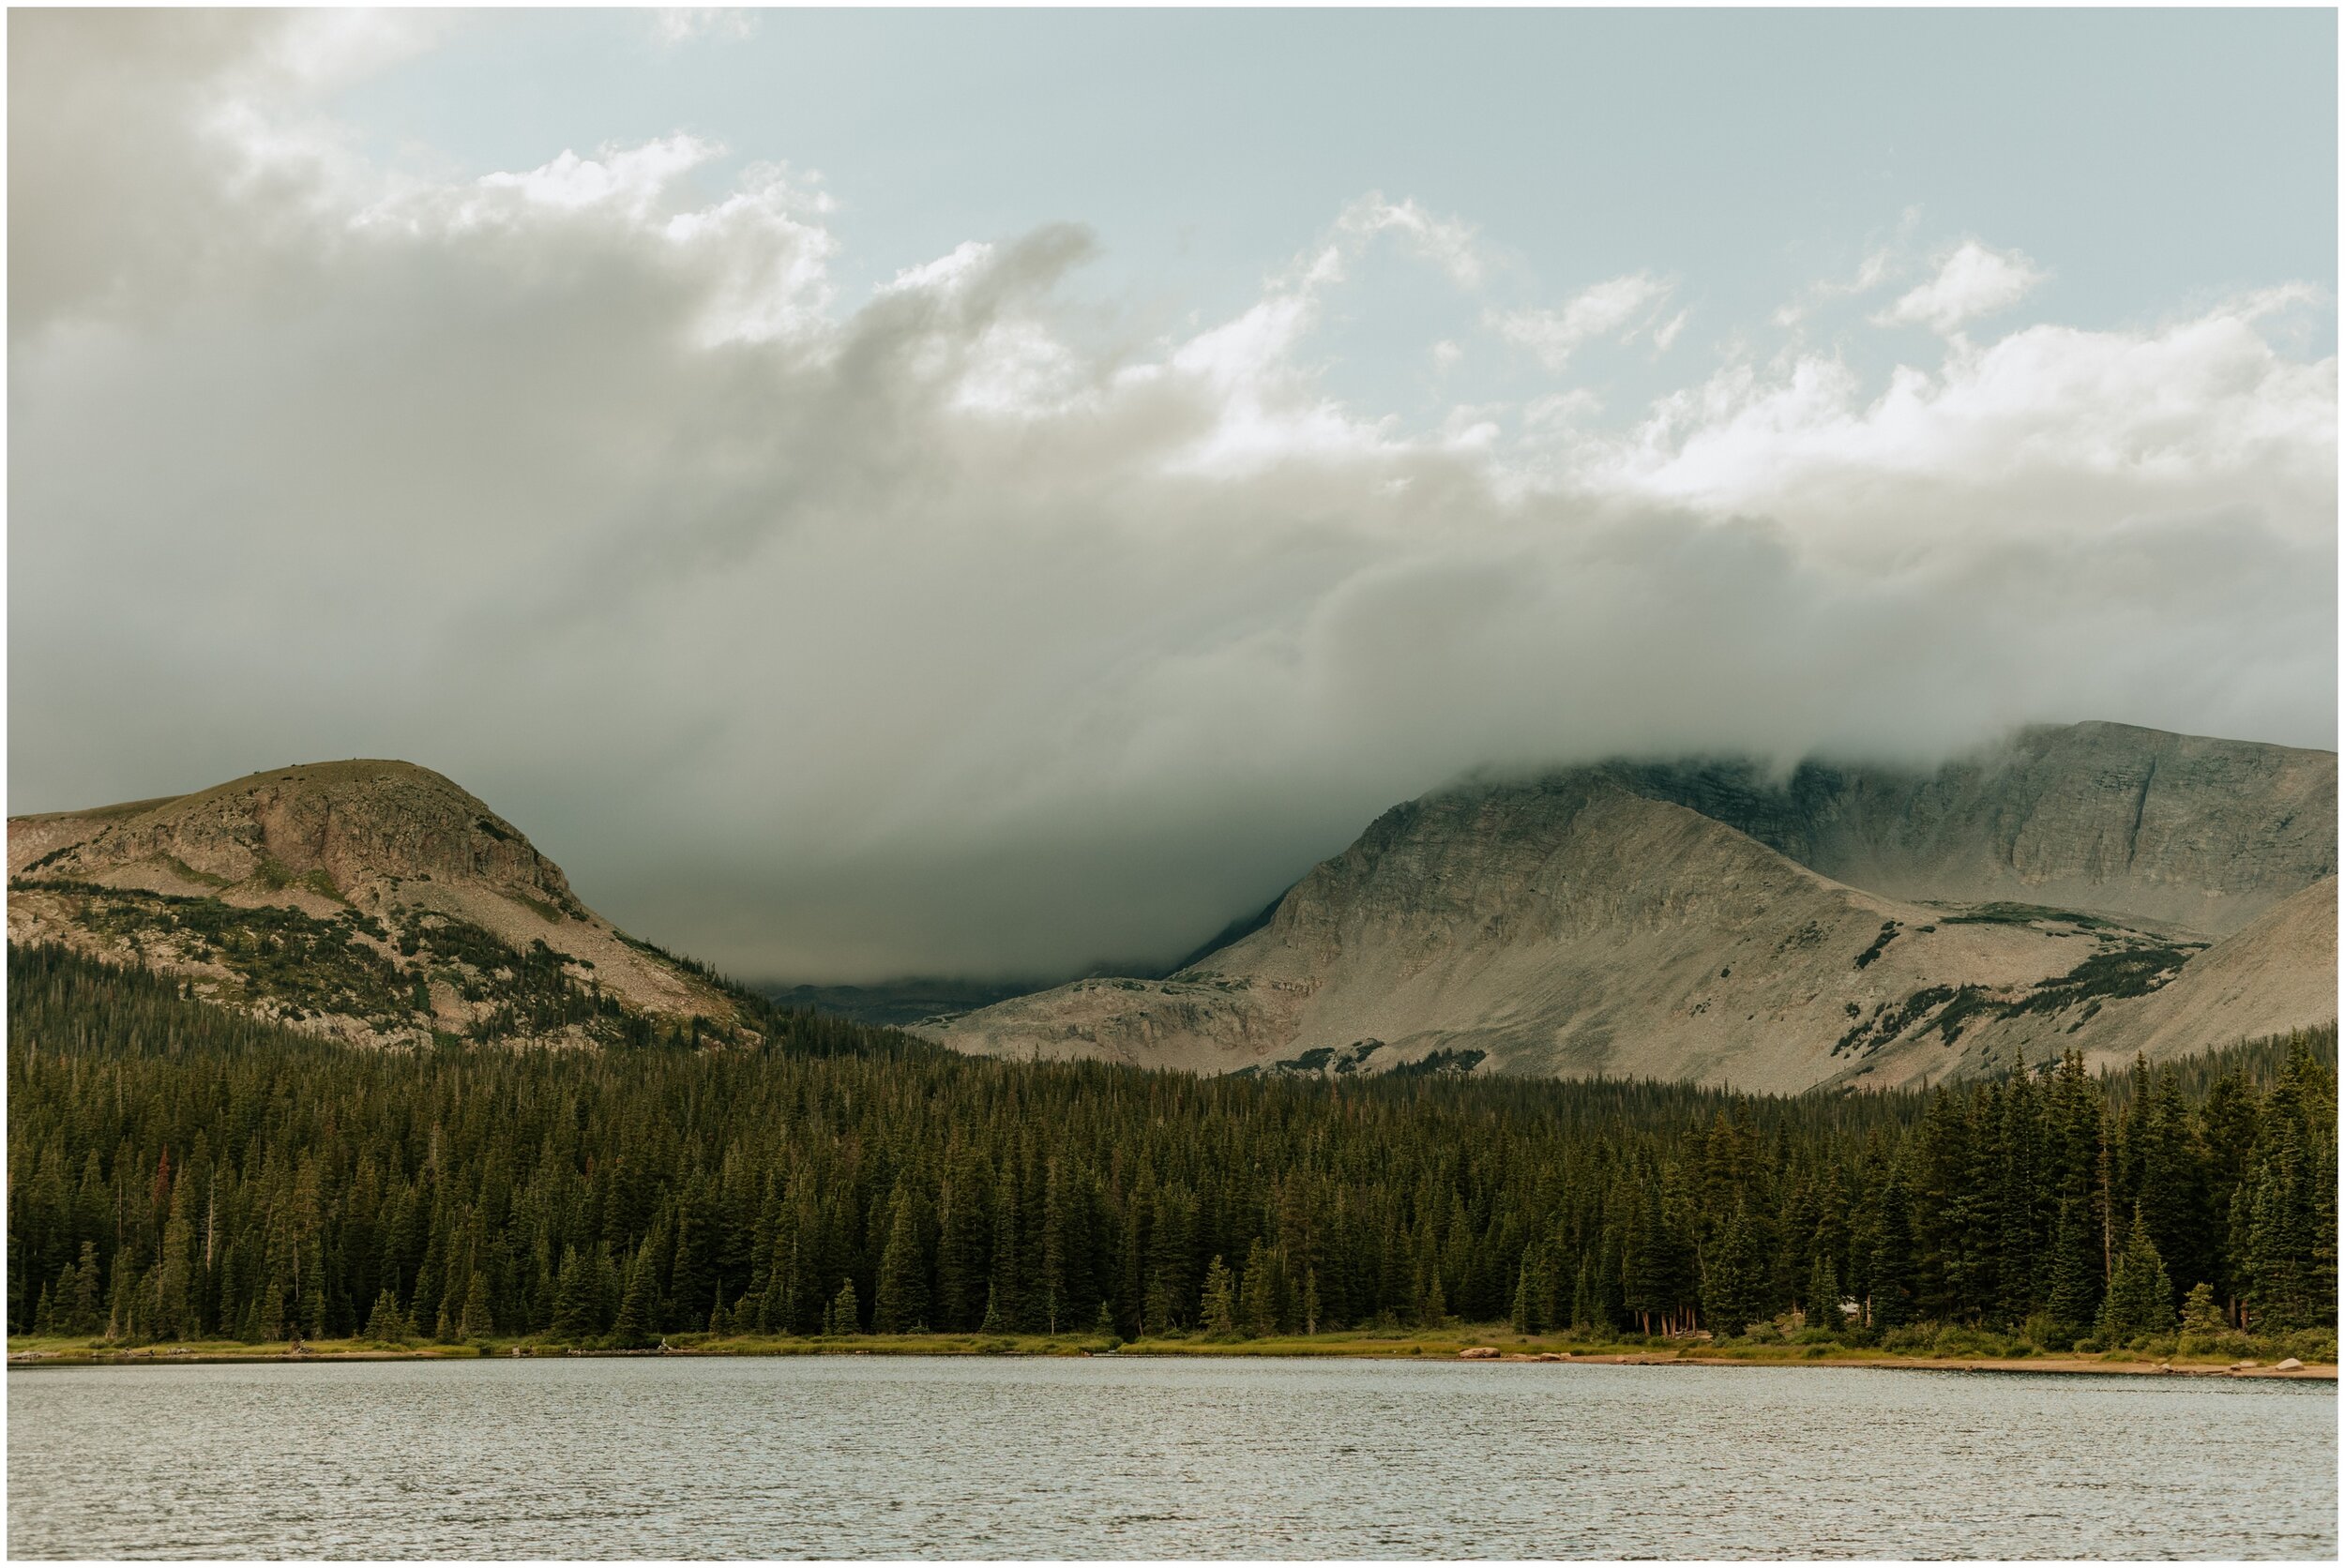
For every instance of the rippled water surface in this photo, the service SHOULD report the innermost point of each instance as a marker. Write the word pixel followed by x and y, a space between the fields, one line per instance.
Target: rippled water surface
pixel 874 1456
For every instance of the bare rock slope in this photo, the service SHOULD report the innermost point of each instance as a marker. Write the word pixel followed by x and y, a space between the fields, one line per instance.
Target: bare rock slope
pixel 372 900
pixel 1704 921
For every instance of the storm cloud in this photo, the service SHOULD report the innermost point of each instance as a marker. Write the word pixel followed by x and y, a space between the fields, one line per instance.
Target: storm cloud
pixel 978 626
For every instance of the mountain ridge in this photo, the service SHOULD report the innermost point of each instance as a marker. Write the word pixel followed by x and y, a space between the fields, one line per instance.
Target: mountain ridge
pixel 372 900
pixel 1571 921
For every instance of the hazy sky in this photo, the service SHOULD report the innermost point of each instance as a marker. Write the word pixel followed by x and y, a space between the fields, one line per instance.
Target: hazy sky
pixel 884 492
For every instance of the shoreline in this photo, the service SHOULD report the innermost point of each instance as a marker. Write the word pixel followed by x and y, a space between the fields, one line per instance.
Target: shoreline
pixel 37 1356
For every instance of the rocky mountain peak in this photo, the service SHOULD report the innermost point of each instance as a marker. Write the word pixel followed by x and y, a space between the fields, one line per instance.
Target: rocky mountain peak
pixel 373 899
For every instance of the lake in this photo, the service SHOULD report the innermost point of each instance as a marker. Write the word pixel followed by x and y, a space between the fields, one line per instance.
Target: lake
pixel 962 1457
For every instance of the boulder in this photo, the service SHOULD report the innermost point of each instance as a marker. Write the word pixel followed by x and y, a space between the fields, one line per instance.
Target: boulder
pixel 2291 1365
pixel 1479 1352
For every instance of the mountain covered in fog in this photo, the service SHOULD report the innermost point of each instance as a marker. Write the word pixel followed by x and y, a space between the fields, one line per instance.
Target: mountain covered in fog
pixel 2093 886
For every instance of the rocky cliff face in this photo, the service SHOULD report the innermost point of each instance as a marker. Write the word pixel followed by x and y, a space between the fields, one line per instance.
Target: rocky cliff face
pixel 2103 818
pixel 1704 921
pixel 367 899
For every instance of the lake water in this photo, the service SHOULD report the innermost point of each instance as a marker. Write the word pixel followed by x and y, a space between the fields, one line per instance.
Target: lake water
pixel 876 1456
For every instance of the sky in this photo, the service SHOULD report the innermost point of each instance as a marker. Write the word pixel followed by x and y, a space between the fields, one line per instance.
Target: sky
pixel 879 492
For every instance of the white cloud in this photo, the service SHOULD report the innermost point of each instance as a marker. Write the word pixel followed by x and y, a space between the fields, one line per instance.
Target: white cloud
pixel 1447 243
pixel 1973 283
pixel 681 25
pixel 1877 267
pixel 974 625
pixel 1616 308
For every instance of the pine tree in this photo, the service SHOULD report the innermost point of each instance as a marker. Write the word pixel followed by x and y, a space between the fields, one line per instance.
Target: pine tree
pixel 2201 1318
pixel 1823 1295
pixel 1584 1311
pixel 1216 1310
pixel 387 1324
pixel 992 1322
pixel 901 1304
pixel 632 1329
pixel 1257 1299
pixel 477 1319
pixel 1730 1277
pixel 573 1298
pixel 846 1314
pixel 84 1294
pixel 2140 1297
pixel 2074 1292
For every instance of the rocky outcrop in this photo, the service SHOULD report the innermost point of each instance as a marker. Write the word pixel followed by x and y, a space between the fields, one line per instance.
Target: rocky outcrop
pixel 388 875
pixel 1705 921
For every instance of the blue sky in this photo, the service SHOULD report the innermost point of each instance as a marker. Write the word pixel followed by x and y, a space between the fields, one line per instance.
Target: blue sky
pixel 995 493
pixel 2148 159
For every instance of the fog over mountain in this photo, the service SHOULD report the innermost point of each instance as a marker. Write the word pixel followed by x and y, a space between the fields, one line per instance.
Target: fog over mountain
pixel 996 624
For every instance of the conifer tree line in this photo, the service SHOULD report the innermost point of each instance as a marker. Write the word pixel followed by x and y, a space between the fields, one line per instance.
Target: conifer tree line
pixel 177 1172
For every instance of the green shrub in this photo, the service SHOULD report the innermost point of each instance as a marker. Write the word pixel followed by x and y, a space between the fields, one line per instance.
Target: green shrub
pixel 1958 1341
pixel 2047 1332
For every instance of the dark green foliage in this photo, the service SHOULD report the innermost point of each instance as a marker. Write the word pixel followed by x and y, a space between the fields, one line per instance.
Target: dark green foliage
pixel 2141 1297
pixel 177 1170
pixel 2023 914
pixel 1888 934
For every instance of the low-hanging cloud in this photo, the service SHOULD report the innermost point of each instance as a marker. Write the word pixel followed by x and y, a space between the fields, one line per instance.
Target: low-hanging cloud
pixel 974 627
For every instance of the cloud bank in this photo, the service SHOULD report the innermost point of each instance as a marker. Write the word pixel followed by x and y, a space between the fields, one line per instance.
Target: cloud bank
pixel 978 626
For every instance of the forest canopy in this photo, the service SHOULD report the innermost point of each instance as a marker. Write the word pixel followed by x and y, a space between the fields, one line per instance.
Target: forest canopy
pixel 177 1172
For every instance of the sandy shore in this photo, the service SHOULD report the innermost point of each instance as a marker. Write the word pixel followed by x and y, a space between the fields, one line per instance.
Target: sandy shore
pixel 172 1355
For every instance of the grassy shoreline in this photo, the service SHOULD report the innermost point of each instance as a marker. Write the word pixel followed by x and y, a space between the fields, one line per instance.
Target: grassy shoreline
pixel 31 1351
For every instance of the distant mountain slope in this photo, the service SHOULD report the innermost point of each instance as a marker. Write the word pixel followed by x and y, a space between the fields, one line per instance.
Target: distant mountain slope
pixel 374 900
pixel 895 1002
pixel 2278 974
pixel 2104 818
pixel 1590 923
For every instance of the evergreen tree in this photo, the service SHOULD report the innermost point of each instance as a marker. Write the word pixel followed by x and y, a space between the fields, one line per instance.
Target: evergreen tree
pixel 2140 1297
pixel 632 1330
pixel 2074 1293
pixel 1823 1295
pixel 2202 1317
pixel 1258 1293
pixel 901 1304
pixel 574 1298
pixel 477 1319
pixel 387 1323
pixel 1731 1279
pixel 1217 1311
pixel 846 1315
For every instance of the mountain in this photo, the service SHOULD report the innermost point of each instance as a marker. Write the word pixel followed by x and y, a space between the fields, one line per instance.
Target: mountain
pixel 372 900
pixel 2200 834
pixel 1707 920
